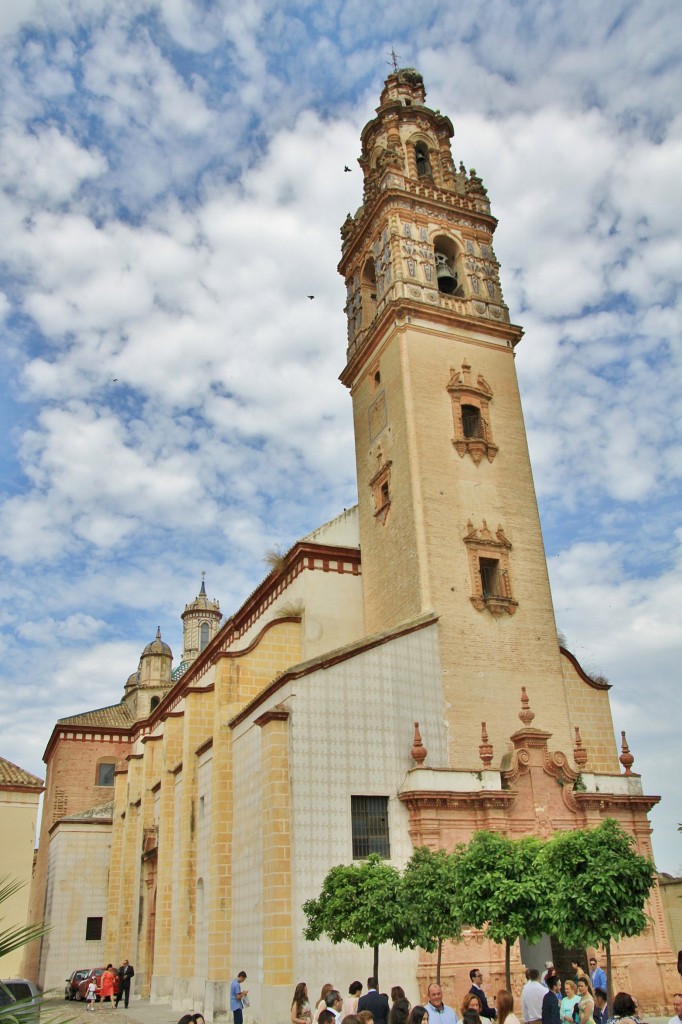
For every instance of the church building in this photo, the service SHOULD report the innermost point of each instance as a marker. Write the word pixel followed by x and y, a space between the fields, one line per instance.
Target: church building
pixel 395 681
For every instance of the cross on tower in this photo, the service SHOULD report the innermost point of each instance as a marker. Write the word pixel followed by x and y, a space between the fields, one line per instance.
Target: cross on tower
pixel 394 59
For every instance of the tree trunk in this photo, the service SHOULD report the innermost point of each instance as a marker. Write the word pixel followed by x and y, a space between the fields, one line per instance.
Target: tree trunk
pixel 609 979
pixel 376 965
pixel 440 956
pixel 507 964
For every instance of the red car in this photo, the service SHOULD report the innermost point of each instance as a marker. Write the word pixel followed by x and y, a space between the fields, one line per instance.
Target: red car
pixel 72 982
pixel 95 975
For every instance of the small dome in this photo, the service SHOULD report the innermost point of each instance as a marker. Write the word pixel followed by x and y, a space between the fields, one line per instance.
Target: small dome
pixel 132 680
pixel 158 646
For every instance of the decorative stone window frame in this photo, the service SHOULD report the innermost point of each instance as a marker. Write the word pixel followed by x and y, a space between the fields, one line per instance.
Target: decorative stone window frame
pixel 463 391
pixel 381 490
pixel 482 544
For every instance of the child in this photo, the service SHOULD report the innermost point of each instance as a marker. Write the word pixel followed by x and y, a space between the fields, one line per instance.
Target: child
pixel 90 995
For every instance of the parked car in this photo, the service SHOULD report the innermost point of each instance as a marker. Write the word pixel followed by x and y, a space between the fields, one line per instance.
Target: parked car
pixel 24 998
pixel 73 980
pixel 96 973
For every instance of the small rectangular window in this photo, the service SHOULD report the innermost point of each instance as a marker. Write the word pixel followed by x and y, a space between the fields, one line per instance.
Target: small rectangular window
pixel 93 929
pixel 369 821
pixel 105 774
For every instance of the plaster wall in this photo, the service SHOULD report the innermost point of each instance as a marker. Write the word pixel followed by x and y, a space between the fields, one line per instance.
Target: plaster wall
pixel 18 813
pixel 77 878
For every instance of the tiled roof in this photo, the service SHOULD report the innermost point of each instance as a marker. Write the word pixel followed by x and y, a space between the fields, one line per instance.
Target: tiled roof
pixel 12 775
pixel 116 716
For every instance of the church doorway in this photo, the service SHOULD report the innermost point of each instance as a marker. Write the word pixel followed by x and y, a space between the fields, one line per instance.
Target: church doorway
pixel 549 949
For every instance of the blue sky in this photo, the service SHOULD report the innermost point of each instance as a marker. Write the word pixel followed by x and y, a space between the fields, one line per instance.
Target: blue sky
pixel 173 189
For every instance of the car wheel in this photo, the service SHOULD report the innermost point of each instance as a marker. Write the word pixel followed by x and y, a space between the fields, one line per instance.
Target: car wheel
pixel 78 996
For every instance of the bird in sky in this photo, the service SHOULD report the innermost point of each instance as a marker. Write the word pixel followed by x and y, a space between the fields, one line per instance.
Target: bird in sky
pixel 311 296
pixel 346 169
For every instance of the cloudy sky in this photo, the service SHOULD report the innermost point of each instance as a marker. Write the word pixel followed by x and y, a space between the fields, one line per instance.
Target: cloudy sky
pixel 172 189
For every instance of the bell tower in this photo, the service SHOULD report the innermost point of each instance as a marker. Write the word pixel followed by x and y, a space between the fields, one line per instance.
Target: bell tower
pixel 448 515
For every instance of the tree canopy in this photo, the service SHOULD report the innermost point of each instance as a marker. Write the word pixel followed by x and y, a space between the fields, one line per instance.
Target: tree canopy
pixel 503 888
pixel 432 909
pixel 598 887
pixel 359 903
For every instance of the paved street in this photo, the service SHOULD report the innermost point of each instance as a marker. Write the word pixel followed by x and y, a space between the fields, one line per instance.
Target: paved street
pixel 139 1012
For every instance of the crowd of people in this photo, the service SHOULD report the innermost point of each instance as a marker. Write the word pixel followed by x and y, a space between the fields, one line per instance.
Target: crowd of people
pixel 581 1000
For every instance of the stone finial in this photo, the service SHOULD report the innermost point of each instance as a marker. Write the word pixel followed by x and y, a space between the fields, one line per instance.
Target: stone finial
pixel 626 758
pixel 525 714
pixel 485 749
pixel 579 752
pixel 418 749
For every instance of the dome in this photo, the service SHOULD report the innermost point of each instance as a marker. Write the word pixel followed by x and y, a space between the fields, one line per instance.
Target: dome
pixel 202 603
pixel 132 680
pixel 158 646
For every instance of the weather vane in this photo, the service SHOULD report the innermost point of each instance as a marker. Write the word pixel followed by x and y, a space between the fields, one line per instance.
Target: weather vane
pixel 394 59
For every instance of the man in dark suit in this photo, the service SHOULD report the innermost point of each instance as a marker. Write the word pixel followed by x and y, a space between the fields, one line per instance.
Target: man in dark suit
pixel 125 973
pixel 476 990
pixel 375 1001
pixel 550 1003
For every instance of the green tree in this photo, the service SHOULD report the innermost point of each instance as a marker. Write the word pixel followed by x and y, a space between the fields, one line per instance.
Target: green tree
pixel 502 888
pixel 359 903
pixel 599 886
pixel 432 911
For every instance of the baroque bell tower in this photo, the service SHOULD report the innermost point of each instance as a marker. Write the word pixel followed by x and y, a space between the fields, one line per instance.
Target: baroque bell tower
pixel 448 516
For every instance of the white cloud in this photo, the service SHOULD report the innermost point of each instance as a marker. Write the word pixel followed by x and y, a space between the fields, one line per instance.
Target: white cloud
pixel 176 192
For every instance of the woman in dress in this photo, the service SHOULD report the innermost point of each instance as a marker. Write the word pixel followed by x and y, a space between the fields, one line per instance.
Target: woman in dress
pixel 350 1003
pixel 568 1002
pixel 106 986
pixel 300 1006
pixel 399 1012
pixel 504 1001
pixel 586 1002
pixel 322 1004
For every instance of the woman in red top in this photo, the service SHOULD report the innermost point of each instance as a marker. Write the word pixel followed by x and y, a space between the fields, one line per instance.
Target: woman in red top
pixel 106 990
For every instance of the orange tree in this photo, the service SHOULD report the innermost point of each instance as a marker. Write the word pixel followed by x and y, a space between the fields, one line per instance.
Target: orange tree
pixel 598 886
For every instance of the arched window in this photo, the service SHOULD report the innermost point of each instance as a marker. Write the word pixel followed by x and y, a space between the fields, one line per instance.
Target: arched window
pixel 204 635
pixel 421 153
pixel 368 287
pixel 446 272
pixel 155 701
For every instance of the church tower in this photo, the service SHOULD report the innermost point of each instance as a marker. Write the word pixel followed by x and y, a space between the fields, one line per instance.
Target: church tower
pixel 200 623
pixel 448 516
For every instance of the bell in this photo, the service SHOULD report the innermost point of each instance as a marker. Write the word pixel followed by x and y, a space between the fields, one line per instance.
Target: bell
pixel 447 279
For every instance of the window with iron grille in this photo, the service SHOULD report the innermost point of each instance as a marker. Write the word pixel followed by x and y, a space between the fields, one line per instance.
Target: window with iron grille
pixel 93 929
pixel 490 577
pixel 369 819
pixel 472 422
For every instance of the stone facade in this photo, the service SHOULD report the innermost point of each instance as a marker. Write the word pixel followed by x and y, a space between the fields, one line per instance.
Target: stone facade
pixel 246 782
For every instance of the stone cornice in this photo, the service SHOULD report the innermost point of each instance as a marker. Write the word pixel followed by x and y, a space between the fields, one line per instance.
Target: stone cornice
pixel 395 317
pixel 481 799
